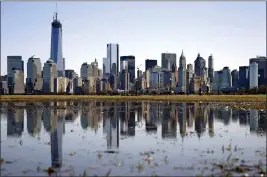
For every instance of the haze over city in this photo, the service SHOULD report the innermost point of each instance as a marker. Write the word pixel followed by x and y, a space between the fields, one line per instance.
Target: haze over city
pixel 232 31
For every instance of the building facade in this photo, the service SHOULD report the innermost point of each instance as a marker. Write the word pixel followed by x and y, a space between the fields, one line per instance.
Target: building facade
pixel 149 64
pixel 253 75
pixel 17 81
pixel 50 72
pixel 211 68
pixel 243 77
pixel 34 72
pixel 113 58
pixel 168 60
pixel 235 78
pixel 131 66
pixel 56 46
pixel 13 62
pixel 262 68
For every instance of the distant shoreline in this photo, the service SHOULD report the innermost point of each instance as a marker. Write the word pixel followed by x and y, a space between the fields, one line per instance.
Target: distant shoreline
pixel 183 98
pixel 233 101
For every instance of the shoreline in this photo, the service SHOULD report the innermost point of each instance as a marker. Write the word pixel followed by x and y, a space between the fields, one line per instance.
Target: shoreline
pixel 178 98
pixel 232 101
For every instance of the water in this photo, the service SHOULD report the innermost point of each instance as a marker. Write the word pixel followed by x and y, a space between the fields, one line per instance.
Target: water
pixel 115 138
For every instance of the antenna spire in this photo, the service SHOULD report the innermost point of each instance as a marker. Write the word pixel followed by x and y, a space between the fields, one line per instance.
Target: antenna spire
pixel 56 10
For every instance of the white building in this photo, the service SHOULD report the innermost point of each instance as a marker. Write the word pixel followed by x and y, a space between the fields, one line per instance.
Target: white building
pixel 60 84
pixel 253 75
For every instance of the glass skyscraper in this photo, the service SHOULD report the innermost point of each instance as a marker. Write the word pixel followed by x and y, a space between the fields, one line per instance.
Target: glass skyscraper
pixel 56 46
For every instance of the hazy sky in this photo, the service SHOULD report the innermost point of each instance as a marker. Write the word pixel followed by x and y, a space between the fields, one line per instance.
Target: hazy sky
pixel 232 31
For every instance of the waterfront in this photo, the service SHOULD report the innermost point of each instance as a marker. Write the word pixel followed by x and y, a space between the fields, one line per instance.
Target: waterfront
pixel 131 138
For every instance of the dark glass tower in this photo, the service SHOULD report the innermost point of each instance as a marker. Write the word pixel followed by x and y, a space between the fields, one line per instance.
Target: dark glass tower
pixel 56 46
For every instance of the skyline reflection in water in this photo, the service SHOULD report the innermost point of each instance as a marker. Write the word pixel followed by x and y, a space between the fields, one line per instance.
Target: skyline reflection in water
pixel 118 120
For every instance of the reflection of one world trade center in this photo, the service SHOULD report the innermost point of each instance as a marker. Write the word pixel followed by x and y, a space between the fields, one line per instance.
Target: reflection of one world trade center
pixel 111 127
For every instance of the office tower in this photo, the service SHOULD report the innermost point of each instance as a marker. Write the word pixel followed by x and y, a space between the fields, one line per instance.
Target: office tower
pixel 125 80
pixel 243 77
pixel 150 64
pixel 200 65
pixel 226 78
pixel 182 74
pixel 113 58
pixel 69 73
pixel 13 62
pixel 124 66
pixel 211 68
pixel 106 66
pixel 168 60
pixel 34 71
pixel 189 75
pixel 131 66
pixel 235 75
pixel 17 79
pixel 84 70
pixel 50 72
pixel 262 68
pixel 253 75
pixel 56 46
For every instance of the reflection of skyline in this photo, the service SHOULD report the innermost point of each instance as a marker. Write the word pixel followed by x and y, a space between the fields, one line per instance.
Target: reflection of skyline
pixel 56 136
pixel 34 119
pixel 111 127
pixel 119 118
pixel 15 121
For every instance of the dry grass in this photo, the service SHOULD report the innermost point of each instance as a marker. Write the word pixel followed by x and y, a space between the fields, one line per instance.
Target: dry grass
pixel 184 98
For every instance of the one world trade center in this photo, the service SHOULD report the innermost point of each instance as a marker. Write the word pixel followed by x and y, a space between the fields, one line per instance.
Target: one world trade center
pixel 56 46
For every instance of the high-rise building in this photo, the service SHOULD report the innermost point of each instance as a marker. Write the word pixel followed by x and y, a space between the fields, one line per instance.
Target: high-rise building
pixel 84 70
pixel 106 66
pixel 189 75
pixel 70 73
pixel 56 46
pixel 253 75
pixel 113 58
pixel 200 65
pixel 150 64
pixel 131 66
pixel 13 62
pixel 243 77
pixel 168 60
pixel 262 68
pixel 125 80
pixel 17 79
pixel 182 74
pixel 235 76
pixel 50 72
pixel 34 71
pixel 124 66
pixel 211 68
pixel 226 78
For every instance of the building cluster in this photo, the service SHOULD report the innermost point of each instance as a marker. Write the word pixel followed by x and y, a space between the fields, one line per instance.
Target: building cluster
pixel 119 73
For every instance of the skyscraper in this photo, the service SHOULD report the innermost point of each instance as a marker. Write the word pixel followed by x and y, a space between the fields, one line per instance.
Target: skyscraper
pixel 200 65
pixel 168 60
pixel 150 64
pixel 262 68
pixel 211 68
pixel 113 58
pixel 243 77
pixel 49 73
pixel 34 70
pixel 131 66
pixel 14 63
pixel 56 46
pixel 182 74
pixel 253 75
pixel 235 74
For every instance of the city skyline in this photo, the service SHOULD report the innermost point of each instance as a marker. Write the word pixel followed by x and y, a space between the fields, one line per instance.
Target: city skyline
pixel 157 40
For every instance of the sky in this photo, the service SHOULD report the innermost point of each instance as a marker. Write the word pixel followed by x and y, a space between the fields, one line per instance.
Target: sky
pixel 232 32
